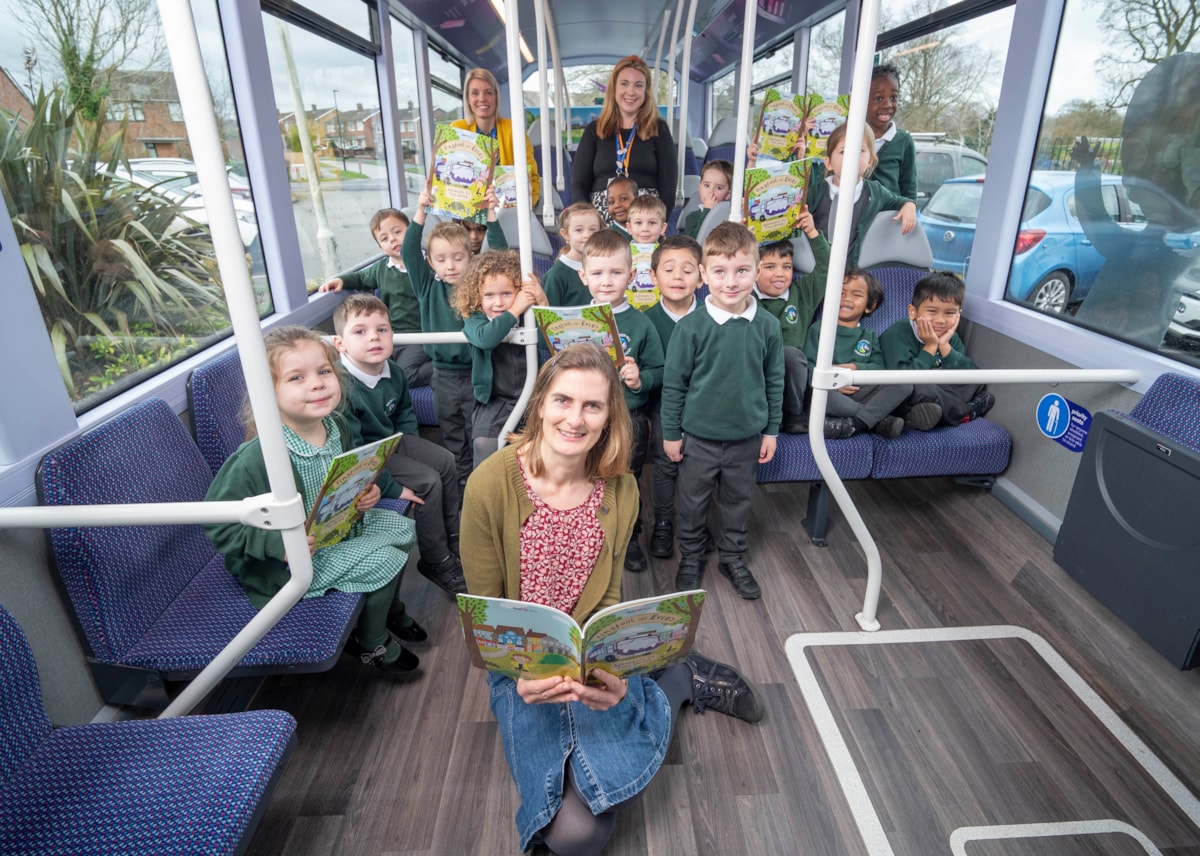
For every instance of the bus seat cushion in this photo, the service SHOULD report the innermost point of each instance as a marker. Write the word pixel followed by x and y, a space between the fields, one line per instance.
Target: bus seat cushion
pixel 422 401
pixel 794 461
pixel 978 447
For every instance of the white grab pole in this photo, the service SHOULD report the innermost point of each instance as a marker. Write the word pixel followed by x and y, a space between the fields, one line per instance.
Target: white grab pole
pixel 662 36
pixel 671 63
pixel 560 95
pixel 743 113
pixel 683 98
pixel 539 13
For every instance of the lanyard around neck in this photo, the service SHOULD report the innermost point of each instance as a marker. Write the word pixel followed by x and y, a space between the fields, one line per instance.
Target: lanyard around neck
pixel 624 147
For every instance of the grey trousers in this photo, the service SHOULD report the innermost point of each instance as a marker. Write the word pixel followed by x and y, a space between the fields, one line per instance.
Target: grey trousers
pixel 454 402
pixel 429 471
pixel 869 404
pixel 726 470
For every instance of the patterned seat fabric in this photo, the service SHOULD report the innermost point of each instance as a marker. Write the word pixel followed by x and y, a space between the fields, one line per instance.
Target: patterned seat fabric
pixel 216 396
pixel 159 597
pixel 978 447
pixel 190 785
pixel 422 400
pixel 794 461
pixel 1169 407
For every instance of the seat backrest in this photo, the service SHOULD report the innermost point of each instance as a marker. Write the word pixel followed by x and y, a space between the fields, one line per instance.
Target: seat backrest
pixel 803 260
pixel 718 214
pixel 216 395
pixel 23 720
pixel 700 147
pixel 509 218
pixel 1169 408
pixel 722 140
pixel 897 261
pixel 119 579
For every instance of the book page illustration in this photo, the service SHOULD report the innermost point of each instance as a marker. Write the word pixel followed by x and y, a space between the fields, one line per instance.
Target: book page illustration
pixel 774 199
pixel 827 115
pixel 333 512
pixel 564 326
pixel 642 293
pixel 462 170
pixel 781 125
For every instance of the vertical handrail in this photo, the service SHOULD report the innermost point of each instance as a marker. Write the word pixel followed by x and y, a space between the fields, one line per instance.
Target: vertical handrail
pixel 684 72
pixel 539 14
pixel 662 36
pixel 671 63
pixel 743 112
pixel 560 94
pixel 200 119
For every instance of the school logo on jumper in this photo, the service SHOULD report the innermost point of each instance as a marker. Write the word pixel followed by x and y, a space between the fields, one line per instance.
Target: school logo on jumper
pixel 625 342
pixel 863 348
pixel 390 407
pixel 790 315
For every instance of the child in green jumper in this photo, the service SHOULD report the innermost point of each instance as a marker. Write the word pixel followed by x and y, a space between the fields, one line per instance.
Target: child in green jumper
pixel 716 179
pixel 563 287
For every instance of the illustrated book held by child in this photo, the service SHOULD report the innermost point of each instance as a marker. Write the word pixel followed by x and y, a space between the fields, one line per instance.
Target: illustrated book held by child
pixel 774 199
pixel 564 326
pixel 463 163
pixel 350 473
pixel 780 125
pixel 530 640
pixel 826 114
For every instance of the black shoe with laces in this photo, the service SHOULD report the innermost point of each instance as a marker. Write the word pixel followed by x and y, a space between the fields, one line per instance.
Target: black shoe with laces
pixel 691 571
pixel 446 575
pixel 738 573
pixel 635 559
pixel 720 687
pixel 979 405
pixel 662 539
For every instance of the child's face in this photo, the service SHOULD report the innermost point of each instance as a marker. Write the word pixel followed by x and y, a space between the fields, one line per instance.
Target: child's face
pixel 607 277
pixel 730 280
pixel 646 227
pixel 775 275
pixel 306 386
pixel 366 340
pixel 476 232
pixel 677 277
pixel 389 234
pixel 579 229
pixel 833 163
pixel 881 104
pixel 714 187
pixel 497 294
pixel 942 314
pixel 619 197
pixel 853 305
pixel 448 259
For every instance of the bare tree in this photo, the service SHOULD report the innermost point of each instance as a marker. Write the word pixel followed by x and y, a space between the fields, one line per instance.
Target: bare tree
pixel 1143 33
pixel 90 39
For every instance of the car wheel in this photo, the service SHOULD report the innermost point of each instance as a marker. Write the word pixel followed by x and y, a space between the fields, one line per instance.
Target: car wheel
pixel 1051 292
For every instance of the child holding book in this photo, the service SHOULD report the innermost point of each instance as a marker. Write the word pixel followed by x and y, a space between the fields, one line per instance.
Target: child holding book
pixel 389 277
pixel 647 224
pixel 491 298
pixel 546 520
pixel 716 180
pixel 723 390
pixel 607 273
pixel 621 191
pixel 563 287
pixel 379 405
pixel 371 559
pixel 433 280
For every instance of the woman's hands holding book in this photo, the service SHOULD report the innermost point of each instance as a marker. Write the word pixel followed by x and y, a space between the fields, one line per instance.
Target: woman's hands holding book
pixel 560 690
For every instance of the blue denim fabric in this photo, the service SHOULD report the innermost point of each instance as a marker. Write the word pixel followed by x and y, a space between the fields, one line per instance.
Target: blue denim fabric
pixel 613 753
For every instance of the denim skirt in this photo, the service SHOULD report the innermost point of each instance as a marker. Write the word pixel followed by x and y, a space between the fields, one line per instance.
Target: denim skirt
pixel 613 753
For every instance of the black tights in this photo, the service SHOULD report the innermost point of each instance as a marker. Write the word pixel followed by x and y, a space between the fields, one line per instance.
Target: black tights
pixel 574 830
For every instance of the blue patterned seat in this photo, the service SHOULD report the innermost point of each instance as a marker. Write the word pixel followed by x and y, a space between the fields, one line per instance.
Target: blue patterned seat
pixel 422 401
pixel 1169 408
pixel 155 603
pixel 976 448
pixel 793 459
pixel 191 785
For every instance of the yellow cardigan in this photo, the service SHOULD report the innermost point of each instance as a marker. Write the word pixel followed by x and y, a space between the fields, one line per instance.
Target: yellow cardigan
pixel 504 136
pixel 496 506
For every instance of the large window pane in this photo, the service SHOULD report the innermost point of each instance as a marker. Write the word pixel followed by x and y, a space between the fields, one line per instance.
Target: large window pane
pixel 585 93
pixel 825 55
pixel 408 108
pixel 111 220
pixel 329 112
pixel 353 15
pixel 724 100
pixel 774 65
pixel 1116 249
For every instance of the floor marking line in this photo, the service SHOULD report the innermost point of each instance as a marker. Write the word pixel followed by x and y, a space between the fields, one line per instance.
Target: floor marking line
pixel 964 834
pixel 865 816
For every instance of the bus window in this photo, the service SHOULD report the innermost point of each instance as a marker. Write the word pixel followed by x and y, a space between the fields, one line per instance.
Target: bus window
pixel 825 55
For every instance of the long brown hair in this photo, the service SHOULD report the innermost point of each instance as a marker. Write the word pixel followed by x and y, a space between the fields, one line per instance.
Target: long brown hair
pixel 609 458
pixel 647 117
pixel 278 342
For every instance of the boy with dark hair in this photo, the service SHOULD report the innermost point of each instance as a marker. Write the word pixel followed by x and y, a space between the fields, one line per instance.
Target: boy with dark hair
pixel 928 339
pixel 723 390
pixel 389 277
pixel 793 303
pixel 377 406
pixel 852 409
pixel 716 179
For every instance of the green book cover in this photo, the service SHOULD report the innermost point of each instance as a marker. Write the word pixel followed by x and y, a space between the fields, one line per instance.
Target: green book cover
pixel 463 162
pixel 564 326
pixel 827 114
pixel 350 473
pixel 774 199
pixel 781 125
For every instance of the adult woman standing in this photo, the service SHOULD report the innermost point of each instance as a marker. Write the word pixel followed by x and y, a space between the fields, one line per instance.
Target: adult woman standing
pixel 481 110
pixel 547 519
pixel 629 138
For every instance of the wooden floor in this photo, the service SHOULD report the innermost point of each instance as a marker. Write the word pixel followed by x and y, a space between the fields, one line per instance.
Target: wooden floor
pixel 943 736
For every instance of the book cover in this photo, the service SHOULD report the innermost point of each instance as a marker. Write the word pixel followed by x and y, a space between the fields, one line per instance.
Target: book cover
pixel 504 182
pixel 642 292
pixel 564 326
pixel 775 199
pixel 463 162
pixel 826 114
pixel 530 640
pixel 350 473
pixel 781 125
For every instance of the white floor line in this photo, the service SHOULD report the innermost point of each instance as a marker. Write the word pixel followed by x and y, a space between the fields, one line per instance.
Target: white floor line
pixel 964 834
pixel 865 815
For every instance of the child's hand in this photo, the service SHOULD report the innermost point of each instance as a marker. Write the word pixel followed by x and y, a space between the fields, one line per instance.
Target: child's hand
pixel 534 287
pixel 926 334
pixel 674 449
pixel 631 376
pixel 846 390
pixel 751 158
pixel 491 202
pixel 334 284
pixel 766 450
pixel 406 493
pixel 367 499
pixel 805 223
pixel 944 339
pixel 907 216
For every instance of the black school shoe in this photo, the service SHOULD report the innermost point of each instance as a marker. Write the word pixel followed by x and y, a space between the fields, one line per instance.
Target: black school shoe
pixel 405 628
pixel 838 427
pixel 662 539
pixel 446 575
pixel 889 427
pixel 979 405
pixel 404 663
pixel 720 687
pixel 691 571
pixel 923 416
pixel 738 573
pixel 635 559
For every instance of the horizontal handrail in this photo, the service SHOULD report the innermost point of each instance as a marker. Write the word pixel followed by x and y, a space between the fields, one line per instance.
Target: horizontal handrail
pixel 835 378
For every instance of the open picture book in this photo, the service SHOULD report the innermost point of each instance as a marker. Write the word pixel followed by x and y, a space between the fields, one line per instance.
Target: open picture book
pixel 350 473
pixel 530 640
pixel 564 326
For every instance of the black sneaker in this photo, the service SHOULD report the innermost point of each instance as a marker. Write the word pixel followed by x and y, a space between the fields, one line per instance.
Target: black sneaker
pixel 691 571
pixel 716 686
pixel 738 573
pixel 889 426
pixel 385 657
pixel 795 426
pixel 446 575
pixel 923 416
pixel 635 559
pixel 979 405
pixel 662 539
pixel 838 427
pixel 405 628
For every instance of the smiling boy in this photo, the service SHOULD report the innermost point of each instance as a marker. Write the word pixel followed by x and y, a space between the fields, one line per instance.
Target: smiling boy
pixel 723 392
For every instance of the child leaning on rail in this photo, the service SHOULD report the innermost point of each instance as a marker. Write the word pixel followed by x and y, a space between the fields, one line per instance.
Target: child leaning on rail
pixel 928 339
pixel 309 391
pixel 491 298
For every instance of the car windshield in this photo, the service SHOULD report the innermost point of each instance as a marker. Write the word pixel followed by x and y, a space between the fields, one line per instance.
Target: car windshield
pixel 957 201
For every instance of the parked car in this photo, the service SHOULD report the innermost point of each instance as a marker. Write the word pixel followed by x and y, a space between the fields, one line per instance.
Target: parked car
pixel 1054 264
pixel 939 158
pixel 1184 330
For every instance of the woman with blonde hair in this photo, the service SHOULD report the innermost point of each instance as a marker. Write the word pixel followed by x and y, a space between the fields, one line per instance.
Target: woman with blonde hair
pixel 481 112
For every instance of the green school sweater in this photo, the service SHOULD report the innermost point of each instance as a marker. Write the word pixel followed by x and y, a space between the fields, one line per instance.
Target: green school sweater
pixel 879 198
pixel 897 169
pixel 380 412
pixel 563 286
pixel 903 350
pixel 856 345
pixel 795 310
pixel 394 288
pixel 641 341
pixel 485 335
pixel 691 225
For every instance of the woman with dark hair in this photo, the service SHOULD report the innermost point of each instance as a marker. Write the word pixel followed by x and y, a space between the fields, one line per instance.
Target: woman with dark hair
pixel 481 111
pixel 629 139
pixel 546 520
